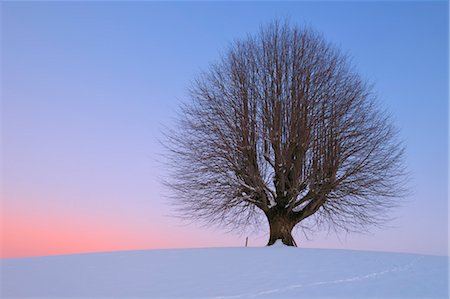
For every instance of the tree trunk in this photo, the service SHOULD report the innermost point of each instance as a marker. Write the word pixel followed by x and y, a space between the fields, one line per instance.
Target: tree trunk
pixel 281 226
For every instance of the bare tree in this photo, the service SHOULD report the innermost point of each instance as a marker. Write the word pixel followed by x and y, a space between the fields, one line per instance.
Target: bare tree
pixel 283 126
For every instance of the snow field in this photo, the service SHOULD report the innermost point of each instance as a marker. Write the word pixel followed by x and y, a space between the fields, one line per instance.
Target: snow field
pixel 273 272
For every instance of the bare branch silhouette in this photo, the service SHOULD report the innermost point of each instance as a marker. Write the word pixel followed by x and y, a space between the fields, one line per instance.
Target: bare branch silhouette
pixel 283 126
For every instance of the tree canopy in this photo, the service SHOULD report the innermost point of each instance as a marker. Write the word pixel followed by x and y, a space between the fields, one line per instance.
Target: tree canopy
pixel 283 126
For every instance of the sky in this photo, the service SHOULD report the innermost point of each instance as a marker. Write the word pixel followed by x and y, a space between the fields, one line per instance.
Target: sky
pixel 88 88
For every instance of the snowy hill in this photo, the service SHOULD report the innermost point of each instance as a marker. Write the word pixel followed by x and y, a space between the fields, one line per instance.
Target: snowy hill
pixel 276 272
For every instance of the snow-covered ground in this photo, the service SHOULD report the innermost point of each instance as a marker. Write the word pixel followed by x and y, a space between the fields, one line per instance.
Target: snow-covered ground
pixel 276 272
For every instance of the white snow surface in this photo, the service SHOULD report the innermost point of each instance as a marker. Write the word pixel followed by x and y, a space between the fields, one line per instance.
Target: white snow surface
pixel 268 272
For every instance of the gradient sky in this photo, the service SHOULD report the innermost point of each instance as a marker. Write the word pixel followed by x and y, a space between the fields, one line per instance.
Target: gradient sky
pixel 87 88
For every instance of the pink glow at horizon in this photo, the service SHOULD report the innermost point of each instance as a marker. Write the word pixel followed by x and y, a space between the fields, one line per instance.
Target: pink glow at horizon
pixel 44 230
pixel 31 232
pixel 36 235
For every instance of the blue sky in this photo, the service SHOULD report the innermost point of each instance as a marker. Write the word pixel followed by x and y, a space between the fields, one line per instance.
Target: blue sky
pixel 87 88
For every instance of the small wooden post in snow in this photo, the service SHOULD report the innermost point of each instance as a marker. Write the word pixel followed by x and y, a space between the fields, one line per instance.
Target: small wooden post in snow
pixel 246 241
